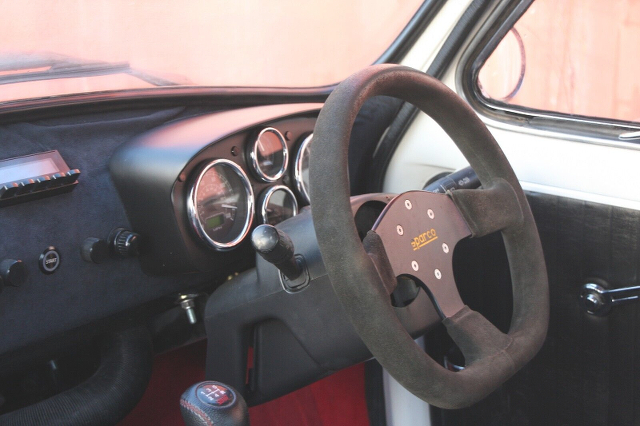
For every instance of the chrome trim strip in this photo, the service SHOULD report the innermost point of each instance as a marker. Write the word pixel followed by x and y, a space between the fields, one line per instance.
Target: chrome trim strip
pixel 297 171
pixel 266 196
pixel 253 155
pixel 192 206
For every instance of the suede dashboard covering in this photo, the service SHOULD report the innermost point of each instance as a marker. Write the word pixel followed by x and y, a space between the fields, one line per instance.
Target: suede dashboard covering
pixel 78 292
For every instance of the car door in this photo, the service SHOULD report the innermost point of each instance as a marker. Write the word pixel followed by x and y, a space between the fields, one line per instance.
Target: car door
pixel 553 81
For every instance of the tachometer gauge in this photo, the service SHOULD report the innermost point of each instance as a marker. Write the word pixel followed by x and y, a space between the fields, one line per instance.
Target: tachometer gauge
pixel 301 171
pixel 277 204
pixel 269 155
pixel 221 204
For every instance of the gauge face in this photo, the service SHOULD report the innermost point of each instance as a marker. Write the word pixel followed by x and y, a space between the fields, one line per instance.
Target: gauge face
pixel 301 172
pixel 269 155
pixel 278 204
pixel 221 205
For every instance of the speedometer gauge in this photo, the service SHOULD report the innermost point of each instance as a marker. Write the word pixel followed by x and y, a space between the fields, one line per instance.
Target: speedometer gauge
pixel 221 204
pixel 269 155
pixel 301 171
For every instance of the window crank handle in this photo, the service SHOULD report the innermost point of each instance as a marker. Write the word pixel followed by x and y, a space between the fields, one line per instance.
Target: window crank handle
pixel 597 300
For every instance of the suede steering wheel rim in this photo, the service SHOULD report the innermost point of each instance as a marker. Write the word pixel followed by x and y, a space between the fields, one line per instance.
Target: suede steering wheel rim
pixel 364 275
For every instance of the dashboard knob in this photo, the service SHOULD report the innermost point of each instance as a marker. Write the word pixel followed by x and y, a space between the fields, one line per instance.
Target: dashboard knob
pixel 277 248
pixel 95 250
pixel 124 243
pixel 13 272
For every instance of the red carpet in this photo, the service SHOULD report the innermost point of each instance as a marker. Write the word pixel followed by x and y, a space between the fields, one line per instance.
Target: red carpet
pixel 337 400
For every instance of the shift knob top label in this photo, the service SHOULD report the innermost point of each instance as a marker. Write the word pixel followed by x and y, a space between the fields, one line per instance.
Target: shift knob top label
pixel 215 394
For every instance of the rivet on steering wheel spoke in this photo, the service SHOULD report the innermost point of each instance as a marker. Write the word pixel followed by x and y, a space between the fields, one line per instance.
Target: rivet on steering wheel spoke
pixel 445 248
pixel 408 204
pixel 431 214
pixel 437 273
pixel 400 230
pixel 414 265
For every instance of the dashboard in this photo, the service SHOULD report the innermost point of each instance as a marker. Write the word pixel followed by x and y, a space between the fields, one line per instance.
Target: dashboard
pixel 207 182
pixel 190 184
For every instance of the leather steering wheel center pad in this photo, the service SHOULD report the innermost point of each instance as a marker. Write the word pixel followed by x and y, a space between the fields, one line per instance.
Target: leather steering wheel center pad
pixel 419 231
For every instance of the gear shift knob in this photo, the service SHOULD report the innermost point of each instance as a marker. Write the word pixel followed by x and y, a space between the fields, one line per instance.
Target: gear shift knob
pixel 276 247
pixel 213 403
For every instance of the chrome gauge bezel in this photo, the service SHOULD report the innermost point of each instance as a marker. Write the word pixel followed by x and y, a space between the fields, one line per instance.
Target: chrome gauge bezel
pixel 297 171
pixel 266 196
pixel 192 206
pixel 253 156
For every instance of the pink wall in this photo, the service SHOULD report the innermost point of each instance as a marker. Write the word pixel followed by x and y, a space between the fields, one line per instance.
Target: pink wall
pixel 582 57
pixel 222 42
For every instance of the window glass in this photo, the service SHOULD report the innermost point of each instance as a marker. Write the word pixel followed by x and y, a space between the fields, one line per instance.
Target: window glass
pixel 570 56
pixel 52 48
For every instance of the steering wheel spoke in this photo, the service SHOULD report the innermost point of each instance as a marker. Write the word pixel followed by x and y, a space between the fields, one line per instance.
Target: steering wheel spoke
pixel 476 337
pixel 374 246
pixel 418 231
pixel 495 208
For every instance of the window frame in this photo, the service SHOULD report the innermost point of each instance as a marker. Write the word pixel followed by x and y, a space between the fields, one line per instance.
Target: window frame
pixel 501 21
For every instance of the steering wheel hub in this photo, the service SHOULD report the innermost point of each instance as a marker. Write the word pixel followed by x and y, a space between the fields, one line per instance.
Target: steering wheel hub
pixel 419 251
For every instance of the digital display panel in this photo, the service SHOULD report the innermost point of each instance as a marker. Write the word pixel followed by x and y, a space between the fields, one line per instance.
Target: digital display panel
pixel 215 221
pixel 28 169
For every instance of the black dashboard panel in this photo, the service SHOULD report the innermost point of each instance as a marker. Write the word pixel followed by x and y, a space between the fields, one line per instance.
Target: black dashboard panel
pixel 154 173
pixel 80 293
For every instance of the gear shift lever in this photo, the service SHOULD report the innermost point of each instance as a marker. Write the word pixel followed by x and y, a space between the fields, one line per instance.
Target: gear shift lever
pixel 213 404
pixel 276 247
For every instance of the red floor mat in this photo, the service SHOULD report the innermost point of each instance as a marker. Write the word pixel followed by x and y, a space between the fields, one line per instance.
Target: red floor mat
pixel 337 400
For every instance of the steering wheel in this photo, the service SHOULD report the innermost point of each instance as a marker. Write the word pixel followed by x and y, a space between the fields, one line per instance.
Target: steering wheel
pixel 415 236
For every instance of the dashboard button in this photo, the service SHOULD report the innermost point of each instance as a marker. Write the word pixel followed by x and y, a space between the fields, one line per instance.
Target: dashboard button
pixel 25 186
pixel 71 176
pixel 57 180
pixel 49 261
pixel 42 182
pixel 8 190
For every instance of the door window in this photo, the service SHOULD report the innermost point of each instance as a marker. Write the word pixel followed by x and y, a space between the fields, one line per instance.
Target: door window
pixel 574 57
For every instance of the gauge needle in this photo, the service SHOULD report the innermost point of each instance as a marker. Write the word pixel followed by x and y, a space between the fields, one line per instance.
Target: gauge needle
pixel 228 206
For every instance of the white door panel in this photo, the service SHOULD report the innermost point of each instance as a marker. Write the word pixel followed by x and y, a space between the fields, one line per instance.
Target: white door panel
pixel 425 151
pixel 552 163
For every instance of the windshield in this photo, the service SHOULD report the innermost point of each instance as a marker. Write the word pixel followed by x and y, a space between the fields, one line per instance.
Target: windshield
pixel 68 47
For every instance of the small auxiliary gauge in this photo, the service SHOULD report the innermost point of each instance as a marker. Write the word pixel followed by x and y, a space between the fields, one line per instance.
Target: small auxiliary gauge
pixel 301 170
pixel 221 204
pixel 277 204
pixel 268 155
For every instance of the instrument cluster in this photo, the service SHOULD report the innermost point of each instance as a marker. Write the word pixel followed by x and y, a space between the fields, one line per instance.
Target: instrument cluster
pixel 224 201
